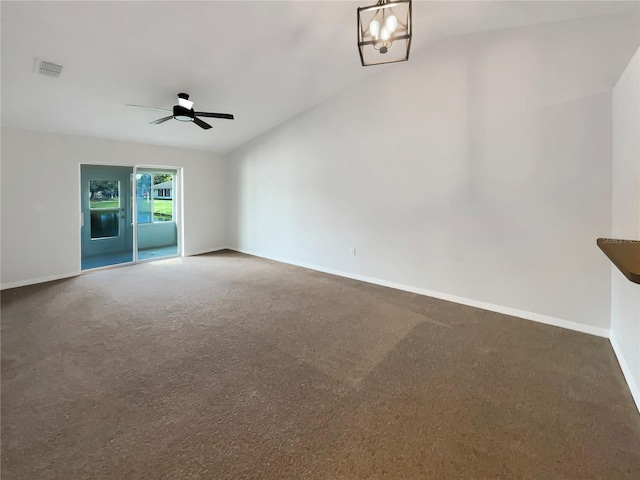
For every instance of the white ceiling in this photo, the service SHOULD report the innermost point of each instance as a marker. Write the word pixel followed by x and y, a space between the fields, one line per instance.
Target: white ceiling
pixel 263 61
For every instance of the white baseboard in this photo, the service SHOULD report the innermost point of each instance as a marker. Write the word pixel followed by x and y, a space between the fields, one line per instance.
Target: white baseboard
pixel 206 250
pixel 626 371
pixel 536 317
pixel 33 281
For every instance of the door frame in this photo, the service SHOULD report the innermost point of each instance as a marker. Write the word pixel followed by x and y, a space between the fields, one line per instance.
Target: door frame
pixel 178 213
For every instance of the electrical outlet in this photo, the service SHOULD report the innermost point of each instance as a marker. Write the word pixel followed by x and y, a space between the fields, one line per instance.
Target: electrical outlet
pixel 352 250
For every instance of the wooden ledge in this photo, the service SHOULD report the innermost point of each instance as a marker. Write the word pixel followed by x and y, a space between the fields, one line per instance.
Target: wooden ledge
pixel 625 254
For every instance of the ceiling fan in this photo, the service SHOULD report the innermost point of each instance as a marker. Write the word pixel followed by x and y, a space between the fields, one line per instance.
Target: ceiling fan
pixel 184 112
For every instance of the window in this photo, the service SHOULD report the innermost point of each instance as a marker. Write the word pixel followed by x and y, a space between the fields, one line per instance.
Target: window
pixel 155 198
pixel 104 208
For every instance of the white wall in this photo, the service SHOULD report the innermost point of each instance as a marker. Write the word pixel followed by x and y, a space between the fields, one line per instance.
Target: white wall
pixel 157 234
pixel 41 199
pixel 625 295
pixel 480 171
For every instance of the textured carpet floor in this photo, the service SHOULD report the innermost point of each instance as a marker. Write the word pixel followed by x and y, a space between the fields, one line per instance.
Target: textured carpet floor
pixel 226 366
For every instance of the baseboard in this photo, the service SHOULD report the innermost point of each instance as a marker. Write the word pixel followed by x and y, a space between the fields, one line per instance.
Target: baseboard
pixel 626 371
pixel 207 250
pixel 536 317
pixel 33 281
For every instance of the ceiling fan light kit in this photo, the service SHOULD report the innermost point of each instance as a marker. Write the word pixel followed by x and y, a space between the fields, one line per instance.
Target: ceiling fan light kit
pixel 183 112
pixel 384 32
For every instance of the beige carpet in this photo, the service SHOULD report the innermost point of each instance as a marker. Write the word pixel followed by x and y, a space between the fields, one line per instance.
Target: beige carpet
pixel 226 366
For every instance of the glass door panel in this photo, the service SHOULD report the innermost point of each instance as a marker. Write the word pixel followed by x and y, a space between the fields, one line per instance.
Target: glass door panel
pixel 107 230
pixel 156 199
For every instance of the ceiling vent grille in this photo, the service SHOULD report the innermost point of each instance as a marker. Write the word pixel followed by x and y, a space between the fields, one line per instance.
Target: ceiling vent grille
pixel 48 68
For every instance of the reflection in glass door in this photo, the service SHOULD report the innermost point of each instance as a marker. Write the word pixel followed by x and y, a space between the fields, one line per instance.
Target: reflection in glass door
pixel 107 230
pixel 104 208
pixel 156 196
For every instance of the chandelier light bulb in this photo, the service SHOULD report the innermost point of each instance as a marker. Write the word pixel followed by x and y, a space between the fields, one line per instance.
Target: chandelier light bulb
pixel 374 29
pixel 385 34
pixel 391 23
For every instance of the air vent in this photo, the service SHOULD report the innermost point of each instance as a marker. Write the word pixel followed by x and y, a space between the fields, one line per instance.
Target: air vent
pixel 48 68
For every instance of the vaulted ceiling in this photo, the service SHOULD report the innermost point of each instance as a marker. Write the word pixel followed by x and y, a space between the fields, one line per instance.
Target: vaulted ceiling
pixel 263 61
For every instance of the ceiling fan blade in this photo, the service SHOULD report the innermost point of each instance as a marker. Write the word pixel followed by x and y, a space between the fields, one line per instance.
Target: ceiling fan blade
pixel 226 116
pixel 161 120
pixel 148 108
pixel 201 124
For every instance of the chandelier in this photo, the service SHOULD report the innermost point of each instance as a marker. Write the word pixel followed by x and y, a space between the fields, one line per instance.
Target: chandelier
pixel 384 32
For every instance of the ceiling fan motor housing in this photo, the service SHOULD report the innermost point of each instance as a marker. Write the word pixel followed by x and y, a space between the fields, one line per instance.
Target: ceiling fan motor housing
pixel 183 114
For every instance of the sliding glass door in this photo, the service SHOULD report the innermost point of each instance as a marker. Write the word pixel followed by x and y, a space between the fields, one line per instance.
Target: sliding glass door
pixel 110 229
pixel 156 213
